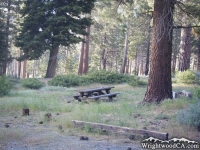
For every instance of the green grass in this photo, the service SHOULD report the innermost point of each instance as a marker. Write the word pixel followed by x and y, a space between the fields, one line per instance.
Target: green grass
pixel 121 112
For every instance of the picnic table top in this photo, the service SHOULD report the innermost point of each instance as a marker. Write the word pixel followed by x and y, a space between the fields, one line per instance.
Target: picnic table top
pixel 96 89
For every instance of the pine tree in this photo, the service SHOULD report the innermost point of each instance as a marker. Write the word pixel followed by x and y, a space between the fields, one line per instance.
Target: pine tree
pixel 2 43
pixel 49 24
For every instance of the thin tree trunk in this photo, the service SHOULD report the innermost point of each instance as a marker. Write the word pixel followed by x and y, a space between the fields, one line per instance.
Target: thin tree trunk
pixel 185 45
pixel 103 59
pixel 127 66
pixel 136 63
pixel 24 68
pixel 7 37
pixel 80 66
pixel 122 70
pixel 159 82
pixel 51 69
pixel 147 52
pixel 19 69
pixel 141 67
pixel 86 52
pixel 198 58
pixel 185 49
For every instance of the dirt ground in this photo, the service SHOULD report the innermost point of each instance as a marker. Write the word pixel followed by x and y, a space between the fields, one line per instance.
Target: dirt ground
pixel 25 133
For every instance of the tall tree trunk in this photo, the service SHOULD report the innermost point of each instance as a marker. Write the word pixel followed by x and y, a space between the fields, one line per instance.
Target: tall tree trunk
pixel 198 58
pixel 175 50
pixel 24 68
pixel 136 63
pixel 185 49
pixel 80 66
pixel 148 49
pixel 86 52
pixel 141 67
pixel 127 66
pixel 185 45
pixel 51 69
pixel 19 69
pixel 159 82
pixel 122 70
pixel 7 36
pixel 103 59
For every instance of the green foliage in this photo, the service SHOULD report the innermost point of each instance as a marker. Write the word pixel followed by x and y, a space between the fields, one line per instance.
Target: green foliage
pixel 2 40
pixel 187 77
pixel 68 80
pixel 190 116
pixel 107 77
pixel 197 93
pixel 32 83
pixel 101 76
pixel 5 85
pixel 48 24
pixel 135 81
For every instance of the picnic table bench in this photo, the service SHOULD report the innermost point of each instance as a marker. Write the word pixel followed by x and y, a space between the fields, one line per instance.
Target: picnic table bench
pixel 96 93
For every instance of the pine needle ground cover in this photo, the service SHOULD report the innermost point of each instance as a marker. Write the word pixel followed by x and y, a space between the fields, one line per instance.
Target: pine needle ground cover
pixel 122 111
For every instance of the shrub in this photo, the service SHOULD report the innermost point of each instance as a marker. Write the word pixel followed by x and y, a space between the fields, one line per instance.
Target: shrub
pixel 5 85
pixel 197 93
pixel 187 77
pixel 32 83
pixel 107 77
pixel 68 80
pixel 190 116
pixel 135 81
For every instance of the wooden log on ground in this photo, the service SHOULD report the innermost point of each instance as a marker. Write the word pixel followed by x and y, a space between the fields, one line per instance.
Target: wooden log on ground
pixel 25 112
pixel 105 127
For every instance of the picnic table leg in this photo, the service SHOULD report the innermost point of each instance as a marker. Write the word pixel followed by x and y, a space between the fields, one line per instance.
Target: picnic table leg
pixel 108 91
pixel 101 93
pixel 110 98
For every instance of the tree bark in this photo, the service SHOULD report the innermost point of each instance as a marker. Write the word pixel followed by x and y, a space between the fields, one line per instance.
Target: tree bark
pixel 51 69
pixel 80 66
pixel 122 70
pixel 185 49
pixel 127 66
pixel 185 45
pixel 19 69
pixel 147 52
pixel 103 59
pixel 7 37
pixel 175 50
pixel 136 63
pixel 86 52
pixel 198 58
pixel 159 83
pixel 24 68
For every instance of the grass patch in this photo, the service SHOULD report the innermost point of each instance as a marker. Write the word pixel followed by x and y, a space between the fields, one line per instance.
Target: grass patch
pixel 122 111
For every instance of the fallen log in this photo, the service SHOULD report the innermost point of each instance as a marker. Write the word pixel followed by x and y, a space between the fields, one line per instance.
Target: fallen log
pixel 105 127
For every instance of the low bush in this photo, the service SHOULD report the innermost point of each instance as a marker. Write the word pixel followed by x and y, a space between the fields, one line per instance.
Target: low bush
pixel 68 80
pixel 187 77
pixel 101 76
pixel 135 81
pixel 107 77
pixel 190 116
pixel 5 85
pixel 197 93
pixel 32 83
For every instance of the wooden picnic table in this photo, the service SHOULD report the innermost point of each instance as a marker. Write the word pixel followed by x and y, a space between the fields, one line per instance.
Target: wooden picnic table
pixel 96 93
